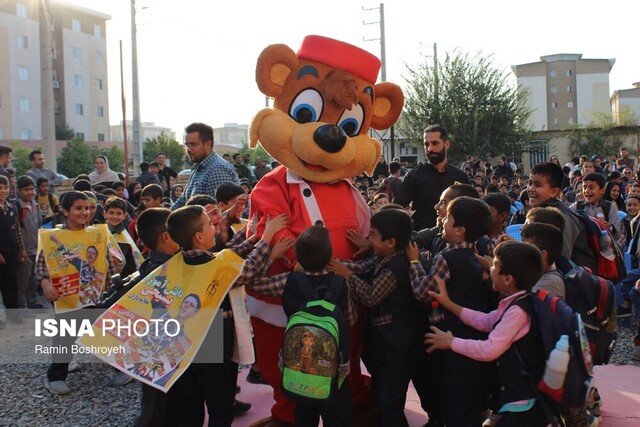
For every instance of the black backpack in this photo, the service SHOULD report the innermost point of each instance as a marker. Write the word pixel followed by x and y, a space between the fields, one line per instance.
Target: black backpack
pixel 386 188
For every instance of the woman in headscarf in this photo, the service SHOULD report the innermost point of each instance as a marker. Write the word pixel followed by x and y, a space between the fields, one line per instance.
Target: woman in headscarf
pixel 103 174
pixel 176 191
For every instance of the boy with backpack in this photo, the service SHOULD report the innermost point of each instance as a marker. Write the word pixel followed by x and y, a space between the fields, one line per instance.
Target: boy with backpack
pixel 30 222
pixel 548 239
pixel 115 212
pixel 598 207
pixel 48 203
pixel 390 184
pixel 514 339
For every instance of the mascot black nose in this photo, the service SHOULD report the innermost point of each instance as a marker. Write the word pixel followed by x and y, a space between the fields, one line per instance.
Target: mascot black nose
pixel 330 138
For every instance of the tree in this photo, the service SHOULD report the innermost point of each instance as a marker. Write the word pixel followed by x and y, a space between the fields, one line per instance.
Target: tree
pixel 115 156
pixel 20 158
pixel 484 114
pixel 64 132
pixel 76 158
pixel 170 147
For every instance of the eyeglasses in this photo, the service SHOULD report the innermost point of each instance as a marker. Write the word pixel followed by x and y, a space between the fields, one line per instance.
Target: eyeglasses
pixel 192 144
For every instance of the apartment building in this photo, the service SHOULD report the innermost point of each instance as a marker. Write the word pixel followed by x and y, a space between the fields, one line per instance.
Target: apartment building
pixel 148 130
pixel 625 105
pixel 78 63
pixel 564 89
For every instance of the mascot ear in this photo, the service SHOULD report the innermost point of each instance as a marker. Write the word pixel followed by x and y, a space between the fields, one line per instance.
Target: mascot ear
pixel 275 63
pixel 387 106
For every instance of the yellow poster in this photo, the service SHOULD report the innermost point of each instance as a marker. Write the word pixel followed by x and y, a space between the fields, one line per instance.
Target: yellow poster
pixel 168 315
pixel 77 263
pixel 125 238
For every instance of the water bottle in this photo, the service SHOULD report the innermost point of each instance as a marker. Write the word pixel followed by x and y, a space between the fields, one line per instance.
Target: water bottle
pixel 606 246
pixel 556 369
pixel 435 314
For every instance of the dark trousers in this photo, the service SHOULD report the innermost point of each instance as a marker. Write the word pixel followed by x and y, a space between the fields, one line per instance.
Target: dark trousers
pixel 9 280
pixel 60 367
pixel 464 390
pixel 428 380
pixel 153 407
pixel 210 383
pixel 338 415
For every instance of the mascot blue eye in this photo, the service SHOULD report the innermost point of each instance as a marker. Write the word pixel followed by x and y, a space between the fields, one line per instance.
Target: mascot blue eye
pixel 351 121
pixel 307 106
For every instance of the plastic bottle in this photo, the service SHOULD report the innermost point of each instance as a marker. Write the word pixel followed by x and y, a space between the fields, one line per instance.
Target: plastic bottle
pixel 435 314
pixel 557 365
pixel 605 246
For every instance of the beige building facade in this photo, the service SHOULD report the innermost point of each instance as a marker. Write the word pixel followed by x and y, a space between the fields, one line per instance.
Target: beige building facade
pixel 625 104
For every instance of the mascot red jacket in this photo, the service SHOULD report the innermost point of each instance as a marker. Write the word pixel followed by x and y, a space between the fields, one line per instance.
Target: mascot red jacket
pixel 325 101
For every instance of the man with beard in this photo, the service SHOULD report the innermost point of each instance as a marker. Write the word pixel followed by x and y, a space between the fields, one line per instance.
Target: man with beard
pixel 423 185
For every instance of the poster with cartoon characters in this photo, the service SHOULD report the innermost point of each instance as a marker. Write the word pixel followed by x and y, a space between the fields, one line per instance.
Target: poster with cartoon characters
pixel 78 263
pixel 182 301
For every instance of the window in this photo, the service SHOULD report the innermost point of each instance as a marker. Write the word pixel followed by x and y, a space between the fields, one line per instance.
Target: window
pixel 554 89
pixel 23 73
pixel 101 137
pixel 554 104
pixel 100 111
pixel 570 104
pixel 25 105
pixel 555 121
pixel 99 84
pixel 77 80
pixel 568 73
pixel 1 133
pixel 569 89
pixel 98 58
pixel 570 121
pixel 23 42
pixel 77 52
pixel 76 25
pixel 97 30
pixel 79 109
pixel 80 135
pixel 553 73
pixel 25 134
pixel 21 10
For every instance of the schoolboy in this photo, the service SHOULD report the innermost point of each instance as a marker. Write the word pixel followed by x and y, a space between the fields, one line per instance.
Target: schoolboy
pixel 392 334
pixel 47 202
pixel 12 251
pixel 211 383
pixel 545 181
pixel 513 337
pixel 120 190
pixel 115 210
pixel 150 197
pixel 464 387
pixel 30 222
pixel 595 205
pixel 548 239
pixel 232 201
pixel 500 206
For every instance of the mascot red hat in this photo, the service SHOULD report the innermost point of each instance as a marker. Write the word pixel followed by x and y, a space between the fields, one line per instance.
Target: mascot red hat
pixel 325 102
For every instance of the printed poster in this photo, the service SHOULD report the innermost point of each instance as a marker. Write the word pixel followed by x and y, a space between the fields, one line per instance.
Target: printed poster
pixel 183 297
pixel 77 263
pixel 125 238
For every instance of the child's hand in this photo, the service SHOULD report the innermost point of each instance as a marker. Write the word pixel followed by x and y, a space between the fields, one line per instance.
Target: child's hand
pixel 362 243
pixel 281 247
pixel 273 225
pixel 485 261
pixel 412 251
pixel 235 211
pixel 339 268
pixel 48 290
pixel 443 296
pixel 504 237
pixel 438 340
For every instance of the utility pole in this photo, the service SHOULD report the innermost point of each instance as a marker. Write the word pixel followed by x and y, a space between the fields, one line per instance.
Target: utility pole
pixel 135 97
pixel 46 87
pixel 383 68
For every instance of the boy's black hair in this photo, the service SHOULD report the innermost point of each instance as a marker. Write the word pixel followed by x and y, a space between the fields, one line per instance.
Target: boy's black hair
pixel 152 190
pixel 394 167
pixel 313 248
pixel 71 196
pixel 25 181
pixel 393 223
pixel 492 188
pixel 379 196
pixel 144 167
pixel 82 185
pixel 41 181
pixel 548 215
pixel 201 200
pixel 457 190
pixel 117 184
pixel 115 203
pixel 597 178
pixel 154 164
pixel 184 223
pixel 108 192
pixel 472 214
pixel 521 260
pixel 4 180
pixel 545 237
pixel 550 171
pixel 501 202
pixel 227 191
pixel 151 224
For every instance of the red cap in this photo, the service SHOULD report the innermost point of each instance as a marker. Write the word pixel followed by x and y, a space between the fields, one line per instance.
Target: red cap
pixel 340 55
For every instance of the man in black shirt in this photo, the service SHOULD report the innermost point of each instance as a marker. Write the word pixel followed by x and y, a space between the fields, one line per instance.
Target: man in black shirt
pixel 165 173
pixel 423 185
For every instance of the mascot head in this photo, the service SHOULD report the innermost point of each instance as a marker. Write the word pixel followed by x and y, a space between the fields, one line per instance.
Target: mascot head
pixel 325 101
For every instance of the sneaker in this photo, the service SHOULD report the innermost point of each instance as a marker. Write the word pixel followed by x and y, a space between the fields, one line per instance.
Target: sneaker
pixel 121 379
pixel 492 420
pixel 636 354
pixel 74 366
pixel 57 387
pixel 593 421
pixel 255 377
pixel 240 408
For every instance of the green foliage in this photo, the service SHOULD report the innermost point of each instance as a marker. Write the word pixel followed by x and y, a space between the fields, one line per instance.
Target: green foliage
pixel 20 158
pixel 255 152
pixel 170 147
pixel 78 158
pixel 64 132
pixel 590 141
pixel 115 156
pixel 483 112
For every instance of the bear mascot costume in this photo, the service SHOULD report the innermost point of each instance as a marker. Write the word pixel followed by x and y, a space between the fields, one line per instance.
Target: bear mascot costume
pixel 325 100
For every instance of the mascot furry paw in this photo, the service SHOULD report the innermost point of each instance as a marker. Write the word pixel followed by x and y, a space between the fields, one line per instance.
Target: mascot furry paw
pixel 325 101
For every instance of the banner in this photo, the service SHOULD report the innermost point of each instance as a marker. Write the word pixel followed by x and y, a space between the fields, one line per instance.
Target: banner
pixel 181 301
pixel 125 238
pixel 78 263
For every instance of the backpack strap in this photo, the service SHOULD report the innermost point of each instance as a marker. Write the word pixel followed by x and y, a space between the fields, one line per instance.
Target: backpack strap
pixel 311 292
pixel 51 204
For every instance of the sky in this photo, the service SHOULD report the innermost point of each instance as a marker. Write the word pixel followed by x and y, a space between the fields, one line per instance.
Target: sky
pixel 196 58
